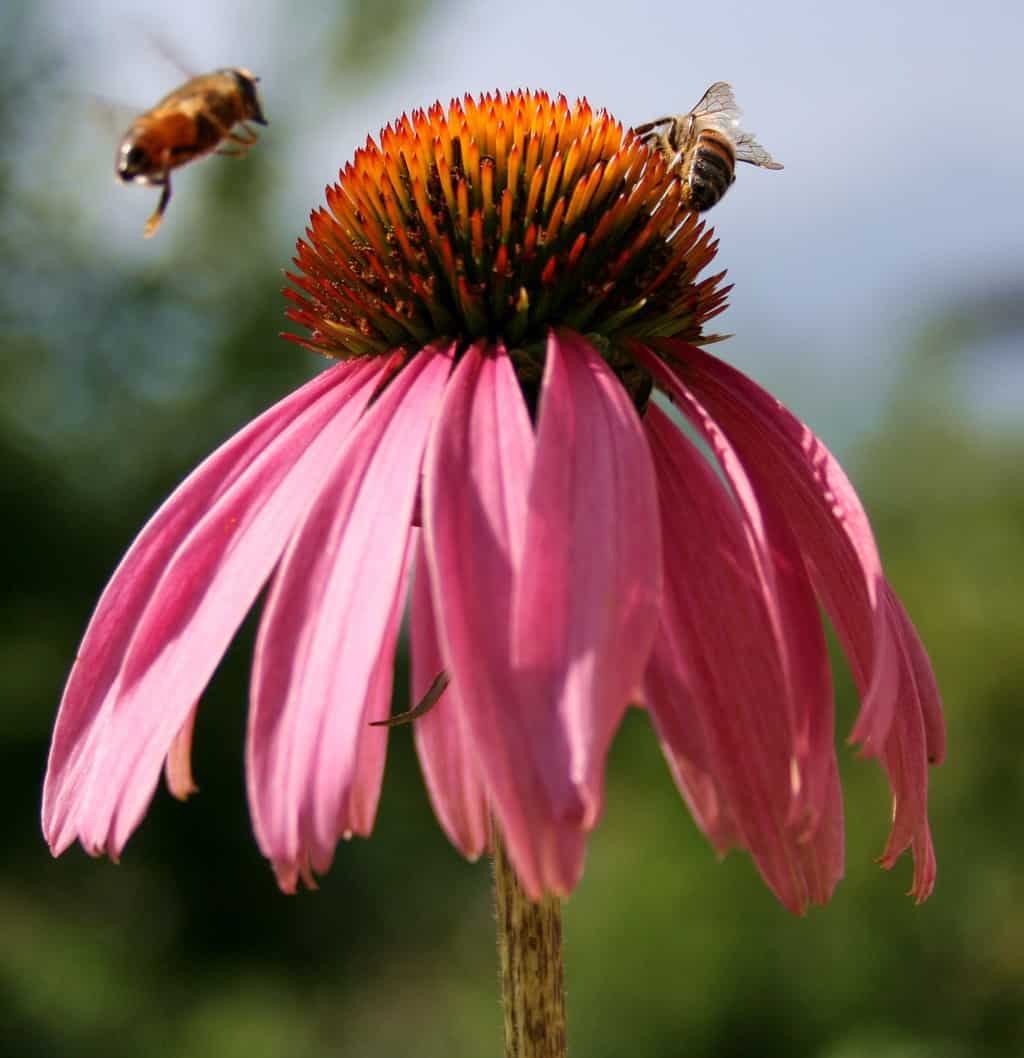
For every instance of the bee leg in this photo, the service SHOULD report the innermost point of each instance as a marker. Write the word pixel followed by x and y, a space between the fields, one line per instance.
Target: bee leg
pixel 236 136
pixel 229 152
pixel 667 151
pixel 248 141
pixel 643 131
pixel 230 132
pixel 161 207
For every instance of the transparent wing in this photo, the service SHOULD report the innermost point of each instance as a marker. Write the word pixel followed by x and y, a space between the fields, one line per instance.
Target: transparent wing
pixel 110 118
pixel 749 150
pixel 719 103
pixel 718 109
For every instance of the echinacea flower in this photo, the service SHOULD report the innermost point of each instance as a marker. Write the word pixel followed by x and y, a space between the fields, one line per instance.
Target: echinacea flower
pixel 505 285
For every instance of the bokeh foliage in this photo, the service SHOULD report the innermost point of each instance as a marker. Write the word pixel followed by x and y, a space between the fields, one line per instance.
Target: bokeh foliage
pixel 118 378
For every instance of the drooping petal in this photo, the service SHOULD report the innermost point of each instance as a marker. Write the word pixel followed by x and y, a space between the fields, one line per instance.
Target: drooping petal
pixel 178 765
pixel 717 684
pixel 826 516
pixel 791 606
pixel 589 589
pixel 476 480
pixel 823 855
pixel 175 601
pixel 920 666
pixel 905 759
pixel 322 670
pixel 358 808
pixel 361 795
pixel 444 740
pixel 901 715
pixel 680 730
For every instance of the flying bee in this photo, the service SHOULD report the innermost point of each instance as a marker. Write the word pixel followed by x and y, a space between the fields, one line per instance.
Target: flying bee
pixel 704 146
pixel 193 120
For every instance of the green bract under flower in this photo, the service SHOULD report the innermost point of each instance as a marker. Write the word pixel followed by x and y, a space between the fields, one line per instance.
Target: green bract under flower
pixel 499 218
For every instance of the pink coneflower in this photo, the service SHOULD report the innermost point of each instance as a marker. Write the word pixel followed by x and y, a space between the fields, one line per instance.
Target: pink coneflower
pixel 506 285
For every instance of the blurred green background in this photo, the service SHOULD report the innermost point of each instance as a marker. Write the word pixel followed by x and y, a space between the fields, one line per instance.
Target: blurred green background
pixel 124 362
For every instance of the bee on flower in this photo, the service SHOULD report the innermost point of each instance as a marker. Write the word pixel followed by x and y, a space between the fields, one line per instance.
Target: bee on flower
pixel 704 145
pixel 513 295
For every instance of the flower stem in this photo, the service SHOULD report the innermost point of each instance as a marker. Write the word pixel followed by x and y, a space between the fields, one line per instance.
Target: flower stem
pixel 530 948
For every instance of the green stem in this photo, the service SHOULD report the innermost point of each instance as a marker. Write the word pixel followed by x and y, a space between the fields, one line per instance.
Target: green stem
pixel 530 948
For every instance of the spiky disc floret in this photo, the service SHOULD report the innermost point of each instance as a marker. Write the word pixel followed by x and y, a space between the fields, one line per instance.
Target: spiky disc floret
pixel 498 218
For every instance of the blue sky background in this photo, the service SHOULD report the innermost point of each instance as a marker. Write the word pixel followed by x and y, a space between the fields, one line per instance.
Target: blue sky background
pixel 899 126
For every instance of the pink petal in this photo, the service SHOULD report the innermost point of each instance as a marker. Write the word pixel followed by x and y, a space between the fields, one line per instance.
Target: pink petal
pixel 361 794
pixel 358 808
pixel 824 512
pixel 717 684
pixel 916 657
pixel 178 766
pixel 792 607
pixel 443 737
pixel 901 712
pixel 905 760
pixel 476 479
pixel 823 855
pixel 589 589
pixel 322 670
pixel 677 721
pixel 545 681
pixel 174 603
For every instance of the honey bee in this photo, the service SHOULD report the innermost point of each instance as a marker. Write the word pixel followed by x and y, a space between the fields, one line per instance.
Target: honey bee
pixel 704 146
pixel 193 120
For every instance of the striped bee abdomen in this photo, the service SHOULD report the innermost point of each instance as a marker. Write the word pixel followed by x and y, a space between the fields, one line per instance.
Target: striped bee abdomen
pixel 712 169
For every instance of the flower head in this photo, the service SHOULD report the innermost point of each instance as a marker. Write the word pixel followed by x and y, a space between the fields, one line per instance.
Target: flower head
pixel 505 283
pixel 495 220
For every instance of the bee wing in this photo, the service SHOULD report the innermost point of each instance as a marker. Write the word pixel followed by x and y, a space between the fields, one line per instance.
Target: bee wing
pixel 169 52
pixel 157 41
pixel 111 118
pixel 749 150
pixel 718 103
pixel 717 108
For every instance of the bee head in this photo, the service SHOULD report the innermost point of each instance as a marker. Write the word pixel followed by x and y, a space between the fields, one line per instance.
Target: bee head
pixel 246 82
pixel 133 162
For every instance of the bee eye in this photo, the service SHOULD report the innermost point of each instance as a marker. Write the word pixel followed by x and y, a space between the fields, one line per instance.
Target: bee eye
pixel 132 161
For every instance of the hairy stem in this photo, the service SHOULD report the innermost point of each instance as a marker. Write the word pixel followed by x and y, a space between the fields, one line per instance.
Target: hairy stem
pixel 530 948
